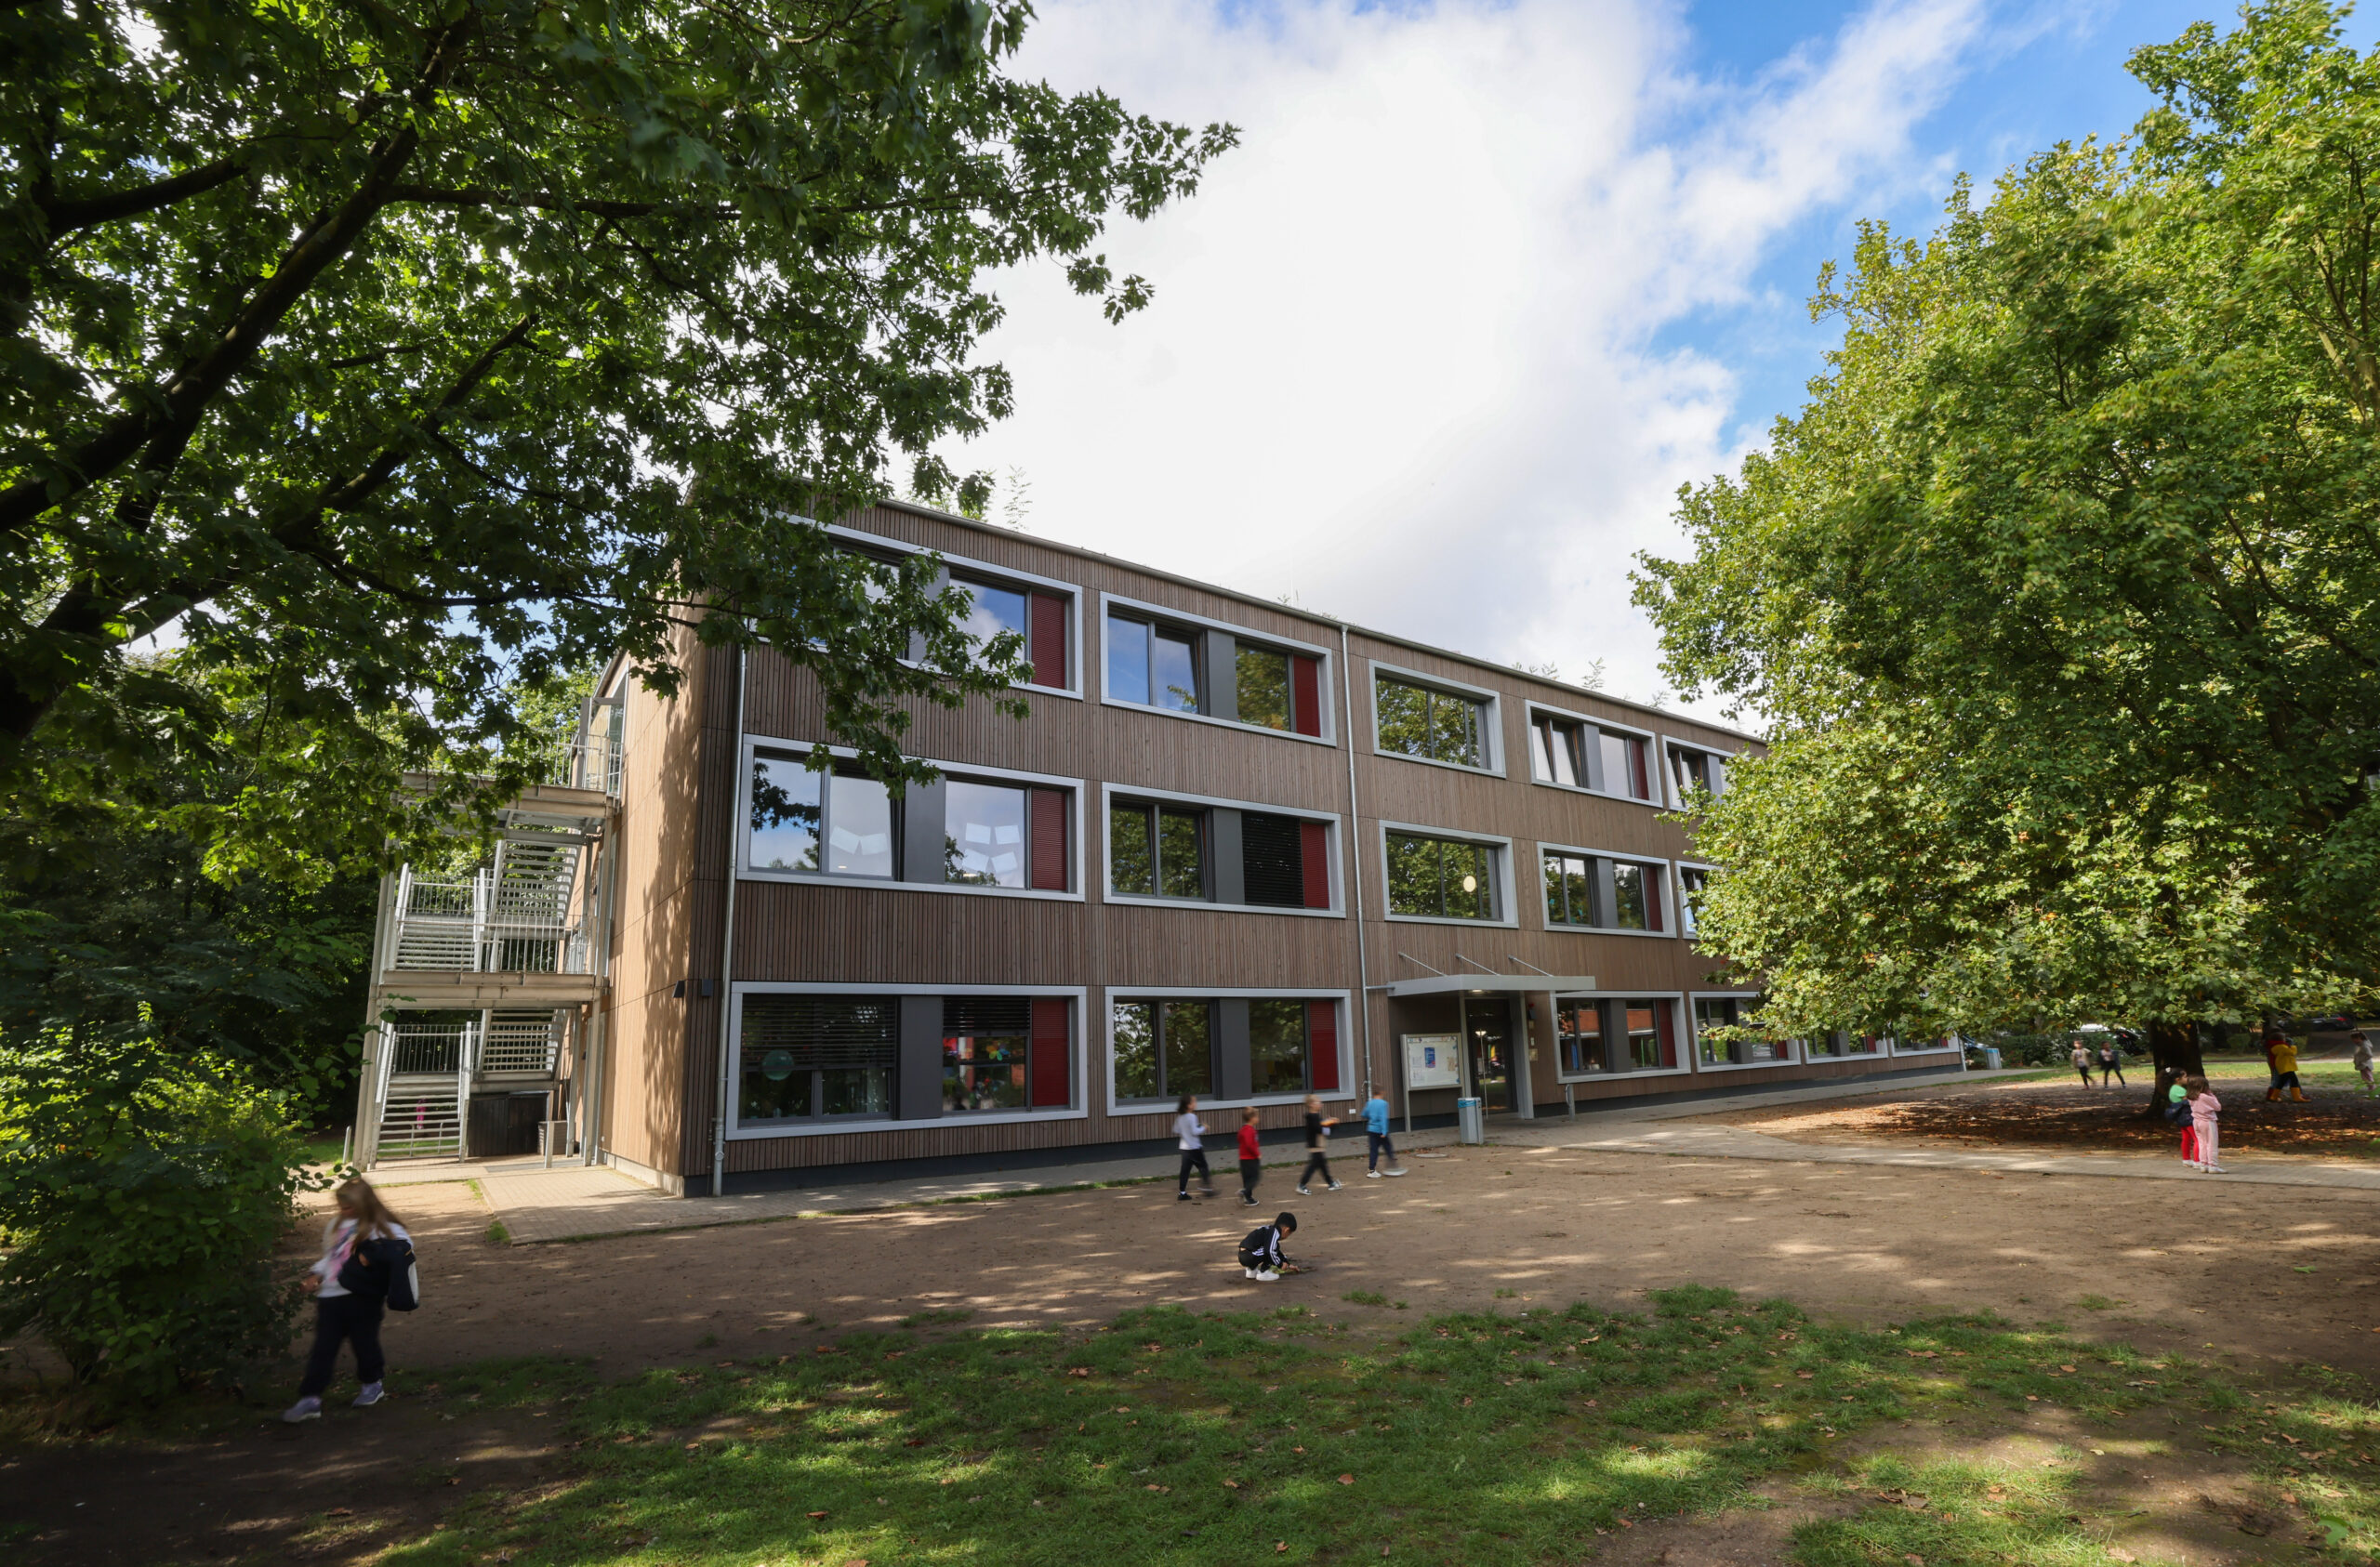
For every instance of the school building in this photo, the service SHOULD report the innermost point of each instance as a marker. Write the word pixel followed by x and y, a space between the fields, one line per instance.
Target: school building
pixel 1237 850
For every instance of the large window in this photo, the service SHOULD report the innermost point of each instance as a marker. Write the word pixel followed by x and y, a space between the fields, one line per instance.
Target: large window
pixel 1635 895
pixel 1569 888
pixel 1435 725
pixel 1697 770
pixel 1441 879
pixel 1157 852
pixel 1263 686
pixel 1164 1048
pixel 1218 854
pixel 1557 752
pixel 1624 768
pixel 1592 891
pixel 1156 666
pixel 1647 1025
pixel 1728 1011
pixel 817 1057
pixel 843 823
pixel 1579 1025
pixel 1006 1053
pixel 995 834
pixel 1277 1047
pixel 1261 1046
pixel 1612 1035
pixel 1691 880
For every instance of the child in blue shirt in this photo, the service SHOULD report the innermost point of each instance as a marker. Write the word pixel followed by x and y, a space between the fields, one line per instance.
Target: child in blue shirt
pixel 1376 1131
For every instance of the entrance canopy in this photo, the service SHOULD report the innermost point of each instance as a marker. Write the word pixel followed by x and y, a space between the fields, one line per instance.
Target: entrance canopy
pixel 1459 984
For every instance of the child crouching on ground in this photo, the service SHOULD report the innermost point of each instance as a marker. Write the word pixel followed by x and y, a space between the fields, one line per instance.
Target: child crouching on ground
pixel 1260 1254
pixel 2204 1108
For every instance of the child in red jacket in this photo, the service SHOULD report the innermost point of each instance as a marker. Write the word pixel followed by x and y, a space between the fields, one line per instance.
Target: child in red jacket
pixel 1251 1157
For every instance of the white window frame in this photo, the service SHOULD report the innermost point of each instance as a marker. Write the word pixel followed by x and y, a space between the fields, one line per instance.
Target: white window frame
pixel 1491 722
pixel 1503 847
pixel 746 872
pixel 1897 1048
pixel 1681 1029
pixel 1669 791
pixel 1534 707
pixel 1114 994
pixel 1329 656
pixel 1794 1055
pixel 1079 1046
pixel 1073 593
pixel 1668 875
pixel 1335 855
pixel 1677 880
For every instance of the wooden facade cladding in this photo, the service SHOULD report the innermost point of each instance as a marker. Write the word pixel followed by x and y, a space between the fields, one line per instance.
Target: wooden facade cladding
pixel 682 801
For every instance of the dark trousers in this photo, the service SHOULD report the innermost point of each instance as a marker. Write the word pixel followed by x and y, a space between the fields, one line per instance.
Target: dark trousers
pixel 2086 1074
pixel 2108 1070
pixel 353 1319
pixel 1248 1170
pixel 1380 1145
pixel 1196 1159
pixel 1317 1164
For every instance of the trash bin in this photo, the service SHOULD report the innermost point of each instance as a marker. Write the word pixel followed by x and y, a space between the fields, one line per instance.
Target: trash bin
pixel 1471 1118
pixel 1992 1058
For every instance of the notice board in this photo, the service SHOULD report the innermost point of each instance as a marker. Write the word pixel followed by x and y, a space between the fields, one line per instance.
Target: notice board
pixel 1431 1061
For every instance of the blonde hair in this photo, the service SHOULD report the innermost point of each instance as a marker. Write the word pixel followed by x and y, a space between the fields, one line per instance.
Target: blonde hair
pixel 356 1198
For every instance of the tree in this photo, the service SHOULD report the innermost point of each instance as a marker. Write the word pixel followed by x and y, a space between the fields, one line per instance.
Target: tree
pixel 2063 591
pixel 399 354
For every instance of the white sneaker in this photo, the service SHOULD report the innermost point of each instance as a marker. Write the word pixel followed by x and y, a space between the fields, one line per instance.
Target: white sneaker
pixel 1267 1277
pixel 1334 1186
pixel 1247 1272
pixel 1371 1175
pixel 1303 1192
pixel 307 1408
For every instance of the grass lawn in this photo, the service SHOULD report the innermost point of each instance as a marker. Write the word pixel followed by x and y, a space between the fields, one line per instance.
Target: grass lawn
pixel 1168 1437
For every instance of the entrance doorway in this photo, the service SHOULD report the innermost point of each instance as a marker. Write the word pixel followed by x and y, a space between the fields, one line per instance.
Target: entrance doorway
pixel 1488 1037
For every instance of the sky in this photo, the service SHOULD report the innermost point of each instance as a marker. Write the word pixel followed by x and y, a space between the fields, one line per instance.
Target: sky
pixel 1484 284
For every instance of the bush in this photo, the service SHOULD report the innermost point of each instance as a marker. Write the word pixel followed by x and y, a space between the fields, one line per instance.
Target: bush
pixel 142 1194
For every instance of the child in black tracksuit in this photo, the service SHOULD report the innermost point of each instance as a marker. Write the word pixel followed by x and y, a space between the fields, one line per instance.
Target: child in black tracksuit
pixel 1260 1254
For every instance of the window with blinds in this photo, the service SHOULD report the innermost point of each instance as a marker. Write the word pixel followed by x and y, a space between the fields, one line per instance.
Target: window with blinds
pixel 1273 854
pixel 811 1057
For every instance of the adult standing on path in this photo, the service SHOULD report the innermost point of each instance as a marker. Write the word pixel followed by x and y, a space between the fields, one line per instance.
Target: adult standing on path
pixel 2111 1064
pixel 2081 1059
pixel 2284 1068
pixel 1190 1136
pixel 2362 1060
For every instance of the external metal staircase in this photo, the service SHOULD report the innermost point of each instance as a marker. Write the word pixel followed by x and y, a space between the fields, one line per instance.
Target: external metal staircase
pixel 488 982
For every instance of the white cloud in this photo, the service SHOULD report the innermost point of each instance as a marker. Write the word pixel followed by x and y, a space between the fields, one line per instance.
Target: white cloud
pixel 1403 357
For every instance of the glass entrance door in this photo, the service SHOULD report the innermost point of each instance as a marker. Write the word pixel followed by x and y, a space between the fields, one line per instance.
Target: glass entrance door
pixel 1487 1027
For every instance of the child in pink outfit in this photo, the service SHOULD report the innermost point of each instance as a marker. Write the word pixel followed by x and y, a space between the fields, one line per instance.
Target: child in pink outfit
pixel 2204 1109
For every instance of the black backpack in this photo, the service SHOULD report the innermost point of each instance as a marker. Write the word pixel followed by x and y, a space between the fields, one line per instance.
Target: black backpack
pixel 384 1266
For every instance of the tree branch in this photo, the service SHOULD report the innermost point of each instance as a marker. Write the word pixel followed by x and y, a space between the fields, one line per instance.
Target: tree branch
pixel 72 217
pixel 162 425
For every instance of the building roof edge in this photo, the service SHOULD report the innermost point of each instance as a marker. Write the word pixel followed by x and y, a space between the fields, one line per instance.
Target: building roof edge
pixel 978 525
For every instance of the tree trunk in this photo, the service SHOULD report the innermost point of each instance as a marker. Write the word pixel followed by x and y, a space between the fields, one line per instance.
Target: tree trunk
pixel 2174 1048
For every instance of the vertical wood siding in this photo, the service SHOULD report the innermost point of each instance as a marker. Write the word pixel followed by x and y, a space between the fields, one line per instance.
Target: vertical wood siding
pixel 683 797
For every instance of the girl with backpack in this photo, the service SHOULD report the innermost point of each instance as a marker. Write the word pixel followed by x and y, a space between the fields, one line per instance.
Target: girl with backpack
pixel 365 1254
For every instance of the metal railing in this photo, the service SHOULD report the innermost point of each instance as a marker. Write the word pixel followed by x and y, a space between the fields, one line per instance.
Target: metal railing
pixel 512 916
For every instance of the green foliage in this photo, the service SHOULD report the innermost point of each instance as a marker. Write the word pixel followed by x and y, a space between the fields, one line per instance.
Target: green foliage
pixel 141 1197
pixel 113 921
pixel 2063 590
pixel 403 355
